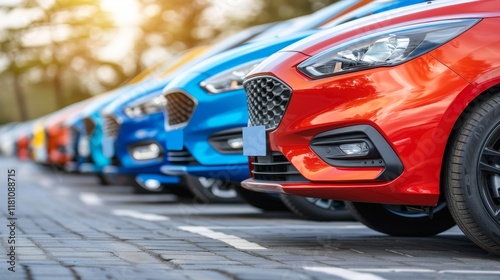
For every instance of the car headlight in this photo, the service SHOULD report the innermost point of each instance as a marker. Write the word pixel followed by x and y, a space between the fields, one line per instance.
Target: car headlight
pixel 146 108
pixel 231 79
pixel 386 48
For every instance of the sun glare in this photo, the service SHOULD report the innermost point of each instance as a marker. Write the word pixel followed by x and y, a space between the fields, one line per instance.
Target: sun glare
pixel 124 12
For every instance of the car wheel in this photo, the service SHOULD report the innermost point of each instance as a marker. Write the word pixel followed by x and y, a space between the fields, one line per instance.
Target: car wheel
pixel 265 201
pixel 103 181
pixel 400 220
pixel 472 175
pixel 317 209
pixel 210 190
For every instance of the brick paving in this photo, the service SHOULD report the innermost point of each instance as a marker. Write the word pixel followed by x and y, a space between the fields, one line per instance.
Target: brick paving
pixel 60 237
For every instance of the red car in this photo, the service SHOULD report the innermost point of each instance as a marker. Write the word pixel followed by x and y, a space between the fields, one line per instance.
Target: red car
pixel 398 113
pixel 58 135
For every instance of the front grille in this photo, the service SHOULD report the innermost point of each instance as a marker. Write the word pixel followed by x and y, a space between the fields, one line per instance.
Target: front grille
pixel 275 167
pixel 89 126
pixel 267 99
pixel 180 107
pixel 183 157
pixel 111 126
pixel 72 143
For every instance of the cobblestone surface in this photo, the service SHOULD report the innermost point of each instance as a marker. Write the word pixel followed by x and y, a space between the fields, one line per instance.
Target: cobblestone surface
pixel 69 227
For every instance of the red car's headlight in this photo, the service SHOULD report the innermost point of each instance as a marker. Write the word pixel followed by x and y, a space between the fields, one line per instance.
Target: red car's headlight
pixel 385 48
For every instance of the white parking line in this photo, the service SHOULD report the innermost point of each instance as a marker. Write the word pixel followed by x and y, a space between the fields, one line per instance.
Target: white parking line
pixel 344 273
pixel 329 226
pixel 139 215
pixel 423 270
pixel 90 199
pixel 489 272
pixel 45 183
pixel 392 270
pixel 232 240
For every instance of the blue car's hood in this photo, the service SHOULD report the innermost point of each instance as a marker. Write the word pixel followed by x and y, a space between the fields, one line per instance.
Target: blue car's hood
pixel 235 57
pixel 136 95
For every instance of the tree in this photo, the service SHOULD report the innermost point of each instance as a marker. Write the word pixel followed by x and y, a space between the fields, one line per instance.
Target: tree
pixel 168 25
pixel 60 39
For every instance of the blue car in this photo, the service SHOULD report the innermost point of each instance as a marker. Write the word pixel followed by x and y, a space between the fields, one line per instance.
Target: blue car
pixel 88 145
pixel 133 141
pixel 206 109
pixel 139 138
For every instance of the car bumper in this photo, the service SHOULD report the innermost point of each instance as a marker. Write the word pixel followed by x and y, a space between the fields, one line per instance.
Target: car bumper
pixel 224 172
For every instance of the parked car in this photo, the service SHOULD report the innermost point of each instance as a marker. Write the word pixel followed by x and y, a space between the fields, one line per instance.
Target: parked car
pixel 7 139
pixel 398 115
pixel 84 129
pixel 39 141
pixel 49 137
pixel 22 138
pixel 212 139
pixel 145 132
pixel 134 135
pixel 58 135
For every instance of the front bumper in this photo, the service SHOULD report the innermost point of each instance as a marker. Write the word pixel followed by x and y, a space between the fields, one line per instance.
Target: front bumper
pixel 223 172
pixel 130 133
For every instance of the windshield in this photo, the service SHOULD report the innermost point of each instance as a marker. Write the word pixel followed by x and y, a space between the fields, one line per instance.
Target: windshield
pixel 370 9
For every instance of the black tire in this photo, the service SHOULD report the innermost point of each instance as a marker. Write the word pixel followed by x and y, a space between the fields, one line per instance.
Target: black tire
pixel 179 190
pixel 103 181
pixel 317 209
pixel 265 201
pixel 397 220
pixel 211 190
pixel 138 189
pixel 472 174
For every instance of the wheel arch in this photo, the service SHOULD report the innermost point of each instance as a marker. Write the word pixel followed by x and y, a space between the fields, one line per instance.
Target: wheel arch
pixel 467 99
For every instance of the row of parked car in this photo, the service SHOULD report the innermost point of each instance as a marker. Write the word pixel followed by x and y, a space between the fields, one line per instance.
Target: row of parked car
pixel 382 110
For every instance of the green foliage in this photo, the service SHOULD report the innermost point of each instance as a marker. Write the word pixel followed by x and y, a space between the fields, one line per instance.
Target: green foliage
pixel 278 10
pixel 55 36
pixel 53 58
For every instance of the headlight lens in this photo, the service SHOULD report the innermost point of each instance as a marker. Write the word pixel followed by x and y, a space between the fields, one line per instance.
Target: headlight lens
pixel 231 79
pixel 146 108
pixel 384 49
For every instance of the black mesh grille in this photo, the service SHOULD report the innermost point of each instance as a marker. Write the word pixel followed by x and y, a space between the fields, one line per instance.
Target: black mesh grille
pixel 275 167
pixel 267 99
pixel 72 144
pixel 89 126
pixel 111 126
pixel 180 107
pixel 183 157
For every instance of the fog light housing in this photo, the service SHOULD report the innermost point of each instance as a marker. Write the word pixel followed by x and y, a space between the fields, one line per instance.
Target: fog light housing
pixel 152 184
pixel 235 143
pixel 358 149
pixel 146 152
pixel 83 147
pixel 228 141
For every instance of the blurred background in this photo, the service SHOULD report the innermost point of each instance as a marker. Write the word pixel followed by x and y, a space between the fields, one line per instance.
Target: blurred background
pixel 57 52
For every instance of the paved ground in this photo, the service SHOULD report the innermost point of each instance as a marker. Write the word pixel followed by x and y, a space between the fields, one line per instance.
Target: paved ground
pixel 68 227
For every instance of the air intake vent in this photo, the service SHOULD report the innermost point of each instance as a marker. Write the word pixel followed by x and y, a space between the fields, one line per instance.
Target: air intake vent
pixel 275 167
pixel 183 157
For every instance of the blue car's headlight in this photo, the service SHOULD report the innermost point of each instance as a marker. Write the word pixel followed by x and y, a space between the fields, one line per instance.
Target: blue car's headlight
pixel 148 107
pixel 386 48
pixel 231 79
